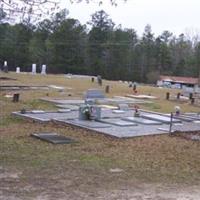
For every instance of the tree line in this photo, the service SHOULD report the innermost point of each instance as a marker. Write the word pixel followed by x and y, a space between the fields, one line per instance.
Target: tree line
pixel 67 46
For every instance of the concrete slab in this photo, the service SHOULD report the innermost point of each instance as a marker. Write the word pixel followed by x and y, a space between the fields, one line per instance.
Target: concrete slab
pixel 118 122
pixel 193 117
pixel 48 116
pixel 64 101
pixel 87 123
pixel 118 111
pixel 112 123
pixel 141 96
pixel 160 118
pixel 53 138
pixel 68 106
pixel 141 120
pixel 120 131
pixel 64 110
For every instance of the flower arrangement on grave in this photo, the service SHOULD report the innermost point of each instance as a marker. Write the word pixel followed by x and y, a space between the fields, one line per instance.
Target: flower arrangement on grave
pixel 87 111
pixel 177 110
pixel 137 112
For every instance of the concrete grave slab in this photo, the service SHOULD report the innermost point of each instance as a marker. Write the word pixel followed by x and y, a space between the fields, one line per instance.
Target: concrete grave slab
pixel 85 123
pixel 118 131
pixel 193 117
pixel 182 118
pixel 160 118
pixel 48 116
pixel 67 106
pixel 118 111
pixel 141 96
pixel 53 138
pixel 37 111
pixel 64 101
pixel 111 114
pixel 141 120
pixel 64 110
pixel 94 94
pixel 117 122
pixel 187 126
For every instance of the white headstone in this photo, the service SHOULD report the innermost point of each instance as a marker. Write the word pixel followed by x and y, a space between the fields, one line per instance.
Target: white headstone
pixel 5 63
pixel 33 68
pixel 43 71
pixel 18 70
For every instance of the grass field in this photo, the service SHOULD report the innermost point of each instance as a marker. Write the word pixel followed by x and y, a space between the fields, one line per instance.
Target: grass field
pixel 151 167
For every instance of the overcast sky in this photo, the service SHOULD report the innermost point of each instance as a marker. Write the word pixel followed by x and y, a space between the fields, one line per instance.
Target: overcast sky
pixel 173 15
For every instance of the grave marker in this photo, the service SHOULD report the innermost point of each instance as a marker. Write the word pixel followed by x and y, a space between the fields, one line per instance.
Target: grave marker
pixel 53 138
pixel 18 70
pixel 43 71
pixel 33 68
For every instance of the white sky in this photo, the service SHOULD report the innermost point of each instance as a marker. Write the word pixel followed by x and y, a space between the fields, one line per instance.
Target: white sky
pixel 173 15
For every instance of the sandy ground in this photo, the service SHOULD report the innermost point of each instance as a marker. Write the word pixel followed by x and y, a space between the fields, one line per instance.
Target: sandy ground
pixel 14 187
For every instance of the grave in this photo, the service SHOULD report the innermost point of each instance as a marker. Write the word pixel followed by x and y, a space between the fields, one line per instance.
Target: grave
pixel 86 123
pixel 117 122
pixel 94 94
pixel 160 118
pixel 48 116
pixel 18 70
pixel 33 68
pixel 53 138
pixel 182 118
pixel 141 120
pixel 68 106
pixel 123 106
pixel 5 67
pixel 193 117
pixel 65 101
pixel 43 71
pixel 64 110
pixel 118 111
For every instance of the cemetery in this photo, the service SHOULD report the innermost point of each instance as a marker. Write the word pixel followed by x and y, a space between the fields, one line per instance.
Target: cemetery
pixel 95 108
pixel 76 125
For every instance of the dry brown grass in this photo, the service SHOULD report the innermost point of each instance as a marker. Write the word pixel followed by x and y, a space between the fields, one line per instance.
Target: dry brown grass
pixel 86 164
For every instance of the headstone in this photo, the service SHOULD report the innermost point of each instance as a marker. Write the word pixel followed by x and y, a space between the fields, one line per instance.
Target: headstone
pixel 167 95
pixel 92 79
pixel 94 94
pixel 99 80
pixel 18 70
pixel 192 100
pixel 107 89
pixel 5 67
pixel 130 84
pixel 190 96
pixel 178 95
pixel 43 71
pixel 134 86
pixel 33 68
pixel 16 97
pixel 123 106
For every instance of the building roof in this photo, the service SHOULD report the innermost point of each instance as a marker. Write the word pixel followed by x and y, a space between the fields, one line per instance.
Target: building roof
pixel 179 79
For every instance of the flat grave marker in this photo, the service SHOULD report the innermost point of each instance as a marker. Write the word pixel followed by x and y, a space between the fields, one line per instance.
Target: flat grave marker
pixel 141 120
pixel 86 123
pixel 160 118
pixel 118 122
pixel 53 138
